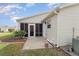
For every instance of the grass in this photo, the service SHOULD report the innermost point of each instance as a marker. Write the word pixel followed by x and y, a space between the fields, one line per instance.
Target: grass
pixel 6 35
pixel 11 50
pixel 43 52
pixel 15 50
pixel 2 46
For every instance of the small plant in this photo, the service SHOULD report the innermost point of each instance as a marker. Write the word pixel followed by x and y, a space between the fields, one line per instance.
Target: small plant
pixel 19 34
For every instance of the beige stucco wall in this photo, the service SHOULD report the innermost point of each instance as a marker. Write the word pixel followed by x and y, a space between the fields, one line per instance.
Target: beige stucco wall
pixel 67 19
pixel 52 32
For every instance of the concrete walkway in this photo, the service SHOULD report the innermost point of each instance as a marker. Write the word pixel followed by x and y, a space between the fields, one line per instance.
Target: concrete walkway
pixel 36 43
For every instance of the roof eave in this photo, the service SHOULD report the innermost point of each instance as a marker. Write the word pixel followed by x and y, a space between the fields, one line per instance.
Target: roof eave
pixel 55 12
pixel 18 20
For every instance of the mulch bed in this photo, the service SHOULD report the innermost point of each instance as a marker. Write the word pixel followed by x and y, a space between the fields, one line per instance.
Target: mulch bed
pixel 13 40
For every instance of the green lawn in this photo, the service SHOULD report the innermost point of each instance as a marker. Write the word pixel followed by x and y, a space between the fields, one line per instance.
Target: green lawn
pixel 6 35
pixel 43 52
pixel 2 46
pixel 11 50
pixel 15 50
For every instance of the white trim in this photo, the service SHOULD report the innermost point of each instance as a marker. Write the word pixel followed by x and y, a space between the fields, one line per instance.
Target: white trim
pixel 29 30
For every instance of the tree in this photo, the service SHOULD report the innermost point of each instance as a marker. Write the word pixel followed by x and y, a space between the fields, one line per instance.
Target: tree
pixel 10 30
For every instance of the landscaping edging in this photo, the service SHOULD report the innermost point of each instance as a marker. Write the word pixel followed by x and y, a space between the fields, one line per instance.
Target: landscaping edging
pixel 13 40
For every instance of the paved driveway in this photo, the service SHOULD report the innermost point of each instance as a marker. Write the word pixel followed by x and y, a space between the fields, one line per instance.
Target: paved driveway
pixel 35 43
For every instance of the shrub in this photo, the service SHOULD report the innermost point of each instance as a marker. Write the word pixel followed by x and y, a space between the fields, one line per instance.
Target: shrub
pixel 19 34
pixel 11 30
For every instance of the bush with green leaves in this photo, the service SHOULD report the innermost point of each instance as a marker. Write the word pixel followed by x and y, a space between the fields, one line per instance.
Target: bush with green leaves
pixel 11 30
pixel 19 34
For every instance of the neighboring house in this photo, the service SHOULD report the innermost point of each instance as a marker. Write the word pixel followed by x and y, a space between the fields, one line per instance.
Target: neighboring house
pixel 56 26
pixel 3 28
pixel 6 28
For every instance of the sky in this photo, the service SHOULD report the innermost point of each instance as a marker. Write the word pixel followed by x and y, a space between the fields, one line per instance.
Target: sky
pixel 10 12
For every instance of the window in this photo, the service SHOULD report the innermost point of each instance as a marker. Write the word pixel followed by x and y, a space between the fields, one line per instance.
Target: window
pixel 38 29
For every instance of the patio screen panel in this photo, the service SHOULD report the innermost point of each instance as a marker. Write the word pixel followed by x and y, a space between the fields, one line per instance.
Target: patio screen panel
pixel 39 30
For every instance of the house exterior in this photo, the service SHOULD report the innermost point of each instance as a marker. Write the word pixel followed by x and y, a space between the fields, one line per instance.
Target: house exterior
pixel 5 28
pixel 33 25
pixel 56 26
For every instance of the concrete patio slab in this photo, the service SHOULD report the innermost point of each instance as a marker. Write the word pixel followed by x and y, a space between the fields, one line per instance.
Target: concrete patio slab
pixel 36 43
